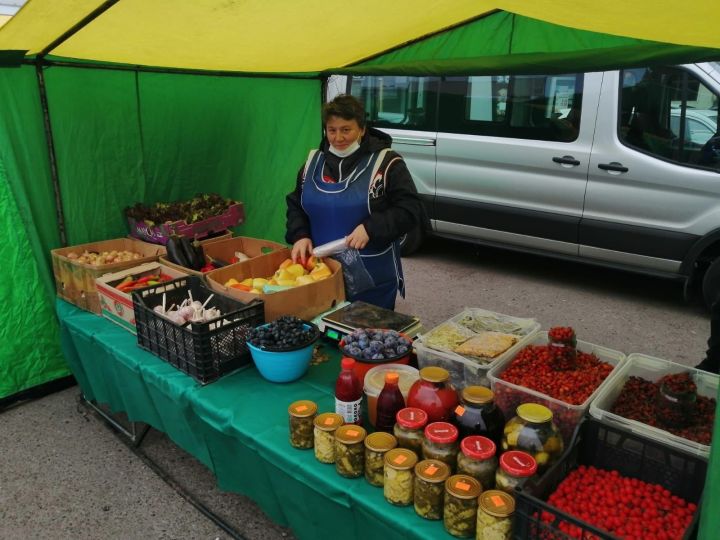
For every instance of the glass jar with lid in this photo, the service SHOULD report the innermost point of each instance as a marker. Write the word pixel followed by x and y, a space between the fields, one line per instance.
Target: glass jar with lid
pixel 440 443
pixel 302 413
pixel 477 458
pixel 399 475
pixel 409 425
pixel 676 404
pixel 350 451
pixel 477 414
pixel 324 436
pixel 376 446
pixel 494 517
pixel 429 489
pixel 534 432
pixel 461 504
pixel 562 346
pixel 515 468
pixel 433 394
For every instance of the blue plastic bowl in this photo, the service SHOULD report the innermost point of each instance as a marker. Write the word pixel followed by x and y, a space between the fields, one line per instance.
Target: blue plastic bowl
pixel 282 366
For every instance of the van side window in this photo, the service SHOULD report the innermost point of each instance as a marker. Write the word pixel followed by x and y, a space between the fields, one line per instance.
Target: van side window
pixel 542 107
pixel 669 113
pixel 398 102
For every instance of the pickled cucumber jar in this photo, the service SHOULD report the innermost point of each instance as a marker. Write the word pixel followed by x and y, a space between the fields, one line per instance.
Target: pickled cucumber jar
pixel 494 517
pixel 534 432
pixel 399 475
pixel 515 468
pixel 324 436
pixel 409 425
pixel 302 413
pixel 478 415
pixel 461 504
pixel 429 489
pixel 440 443
pixel 477 458
pixel 376 445
pixel 350 451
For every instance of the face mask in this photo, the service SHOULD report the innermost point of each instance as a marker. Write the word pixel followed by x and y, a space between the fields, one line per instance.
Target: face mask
pixel 347 151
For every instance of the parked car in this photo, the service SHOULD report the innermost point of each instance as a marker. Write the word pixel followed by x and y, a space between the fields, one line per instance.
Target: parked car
pixel 591 167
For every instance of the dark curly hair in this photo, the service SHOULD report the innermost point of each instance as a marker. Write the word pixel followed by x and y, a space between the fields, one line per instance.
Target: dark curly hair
pixel 346 107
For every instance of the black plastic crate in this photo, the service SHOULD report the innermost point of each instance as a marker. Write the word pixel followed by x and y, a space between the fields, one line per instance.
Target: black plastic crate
pixel 611 448
pixel 207 351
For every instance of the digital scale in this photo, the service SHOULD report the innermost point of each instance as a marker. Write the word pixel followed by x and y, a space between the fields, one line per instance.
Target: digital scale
pixel 347 317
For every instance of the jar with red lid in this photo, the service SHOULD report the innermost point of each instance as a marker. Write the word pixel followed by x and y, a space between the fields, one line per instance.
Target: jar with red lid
pixel 562 345
pixel 441 443
pixel 515 468
pixel 433 394
pixel 409 425
pixel 477 414
pixel 478 458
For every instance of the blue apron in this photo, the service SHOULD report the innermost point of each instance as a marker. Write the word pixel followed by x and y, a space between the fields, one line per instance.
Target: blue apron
pixel 335 209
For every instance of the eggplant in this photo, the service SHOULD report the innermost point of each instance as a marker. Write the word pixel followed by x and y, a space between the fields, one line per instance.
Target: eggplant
pixel 175 252
pixel 199 251
pixel 196 263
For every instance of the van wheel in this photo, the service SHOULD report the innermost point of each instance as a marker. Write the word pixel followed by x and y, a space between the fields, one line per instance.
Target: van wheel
pixel 411 242
pixel 711 283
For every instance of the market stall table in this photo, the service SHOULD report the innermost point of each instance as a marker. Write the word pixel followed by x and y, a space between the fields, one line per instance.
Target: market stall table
pixel 238 428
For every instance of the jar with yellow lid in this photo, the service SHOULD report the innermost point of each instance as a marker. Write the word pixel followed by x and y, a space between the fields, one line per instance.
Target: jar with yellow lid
pixel 441 443
pixel 534 432
pixel 376 446
pixel 302 413
pixel 433 394
pixel 409 425
pixel 350 450
pixel 461 504
pixel 515 468
pixel 325 425
pixel 399 473
pixel 429 488
pixel 477 458
pixel 477 414
pixel 494 517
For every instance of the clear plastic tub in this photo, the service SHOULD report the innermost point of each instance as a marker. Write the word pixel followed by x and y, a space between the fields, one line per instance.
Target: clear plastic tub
pixel 651 369
pixel 566 416
pixel 375 380
pixel 466 371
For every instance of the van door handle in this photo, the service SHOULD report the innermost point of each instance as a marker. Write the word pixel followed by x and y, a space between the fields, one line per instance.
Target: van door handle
pixel 566 160
pixel 613 166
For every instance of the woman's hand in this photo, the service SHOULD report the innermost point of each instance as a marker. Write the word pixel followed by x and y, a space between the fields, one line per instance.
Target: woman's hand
pixel 357 239
pixel 302 249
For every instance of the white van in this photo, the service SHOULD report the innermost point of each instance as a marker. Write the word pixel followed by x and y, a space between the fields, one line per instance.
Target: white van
pixel 619 168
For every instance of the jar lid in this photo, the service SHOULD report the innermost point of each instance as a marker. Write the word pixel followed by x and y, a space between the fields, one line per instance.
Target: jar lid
pixel 392 377
pixel 350 434
pixel 477 394
pixel 329 421
pixel 463 486
pixel 534 412
pixel 400 459
pixel 302 408
pixel 380 441
pixel 434 374
pixel 411 418
pixel 347 363
pixel 432 470
pixel 441 432
pixel 478 447
pixel 497 503
pixel 518 463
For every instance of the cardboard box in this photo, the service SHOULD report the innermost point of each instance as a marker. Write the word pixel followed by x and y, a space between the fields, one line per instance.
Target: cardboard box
pixel 75 282
pixel 303 301
pixel 116 305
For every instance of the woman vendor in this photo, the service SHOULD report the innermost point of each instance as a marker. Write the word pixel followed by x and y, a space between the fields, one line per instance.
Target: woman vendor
pixel 355 187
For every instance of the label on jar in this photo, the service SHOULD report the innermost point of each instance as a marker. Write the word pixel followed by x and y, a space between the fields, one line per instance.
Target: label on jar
pixel 350 410
pixel 431 470
pixel 459 410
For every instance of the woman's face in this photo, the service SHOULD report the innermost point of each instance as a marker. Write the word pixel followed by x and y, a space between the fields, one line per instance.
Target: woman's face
pixel 342 133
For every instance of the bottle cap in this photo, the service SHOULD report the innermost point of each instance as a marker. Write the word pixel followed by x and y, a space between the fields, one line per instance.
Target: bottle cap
pixel 328 421
pixel 347 363
pixel 477 447
pixel 534 413
pixel 441 432
pixel 432 470
pixel 350 434
pixel 434 374
pixel 477 394
pixel 392 377
pixel 518 463
pixel 380 441
pixel 411 418
pixel 497 503
pixel 463 486
pixel 302 408
pixel 400 459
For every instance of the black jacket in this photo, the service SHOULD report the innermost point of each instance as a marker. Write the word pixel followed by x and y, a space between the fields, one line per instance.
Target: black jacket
pixel 395 208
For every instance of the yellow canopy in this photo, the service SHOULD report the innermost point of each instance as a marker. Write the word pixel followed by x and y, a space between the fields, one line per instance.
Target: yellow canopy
pixel 314 35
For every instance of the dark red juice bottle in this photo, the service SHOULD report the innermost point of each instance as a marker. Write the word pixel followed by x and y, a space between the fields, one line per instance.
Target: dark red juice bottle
pixel 389 402
pixel 348 393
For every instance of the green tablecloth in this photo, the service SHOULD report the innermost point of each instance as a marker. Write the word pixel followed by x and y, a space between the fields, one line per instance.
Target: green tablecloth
pixel 237 427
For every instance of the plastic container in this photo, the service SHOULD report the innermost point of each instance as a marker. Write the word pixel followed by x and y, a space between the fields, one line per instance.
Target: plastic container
pixel 348 393
pixel 324 428
pixel 433 394
pixel 461 503
pixel 376 446
pixel 608 447
pixel 398 481
pixel 477 414
pixel 375 380
pixel 284 366
pixel 409 428
pixel 566 416
pixel 350 451
pixel 533 431
pixel 651 369
pixel 466 371
pixel 302 415
pixel 477 458
pixel 441 443
pixel 429 488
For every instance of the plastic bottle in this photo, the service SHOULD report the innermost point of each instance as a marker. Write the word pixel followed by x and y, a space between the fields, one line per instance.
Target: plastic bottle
pixel 389 402
pixel 348 393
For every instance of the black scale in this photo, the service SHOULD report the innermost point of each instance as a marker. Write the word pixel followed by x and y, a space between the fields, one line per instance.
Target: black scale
pixel 343 321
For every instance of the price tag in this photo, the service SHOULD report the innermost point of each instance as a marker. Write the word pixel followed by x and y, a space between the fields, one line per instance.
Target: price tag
pixel 459 410
pixel 497 501
pixel 352 432
pixel 301 408
pixel 328 421
pixel 431 470
pixel 399 460
pixel 463 485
